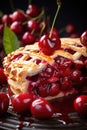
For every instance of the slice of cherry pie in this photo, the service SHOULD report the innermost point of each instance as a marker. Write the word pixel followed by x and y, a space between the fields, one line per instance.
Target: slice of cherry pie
pixel 61 74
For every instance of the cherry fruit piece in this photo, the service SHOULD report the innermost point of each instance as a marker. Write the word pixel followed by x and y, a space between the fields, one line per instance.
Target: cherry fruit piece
pixel 54 90
pixel 49 45
pixel 41 109
pixel 33 25
pixel 50 42
pixel 4 103
pixel 75 75
pixel 6 19
pixel 83 38
pixel 32 10
pixel 17 27
pixel 28 38
pixel 3 78
pixel 21 103
pixel 80 104
pixel 18 16
pixel 55 32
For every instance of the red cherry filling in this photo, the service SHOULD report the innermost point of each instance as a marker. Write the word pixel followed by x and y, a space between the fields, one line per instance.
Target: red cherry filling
pixel 54 89
pixel 16 57
pixel 3 78
pixel 63 76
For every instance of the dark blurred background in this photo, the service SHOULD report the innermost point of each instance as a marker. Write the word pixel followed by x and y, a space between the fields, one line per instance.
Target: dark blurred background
pixel 72 11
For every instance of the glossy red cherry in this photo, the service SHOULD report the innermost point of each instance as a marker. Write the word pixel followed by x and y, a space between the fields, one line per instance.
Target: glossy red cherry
pixel 55 32
pixel 21 103
pixel 16 27
pixel 18 16
pixel 4 103
pixel 33 25
pixel 28 38
pixel 54 90
pixel 43 91
pixel 49 45
pixel 6 19
pixel 41 109
pixel 83 38
pixel 80 104
pixel 32 10
pixel 75 75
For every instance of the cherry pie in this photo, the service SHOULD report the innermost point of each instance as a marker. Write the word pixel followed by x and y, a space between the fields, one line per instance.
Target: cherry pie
pixel 61 74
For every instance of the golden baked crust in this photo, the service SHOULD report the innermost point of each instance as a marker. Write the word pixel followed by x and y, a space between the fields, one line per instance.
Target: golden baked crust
pixel 17 69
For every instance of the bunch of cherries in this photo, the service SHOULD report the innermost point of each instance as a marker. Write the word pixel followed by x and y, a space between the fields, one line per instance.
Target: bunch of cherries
pixel 28 25
pixel 29 28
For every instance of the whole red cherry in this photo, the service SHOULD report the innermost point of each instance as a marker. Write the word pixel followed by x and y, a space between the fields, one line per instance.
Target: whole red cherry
pixel 83 38
pixel 4 103
pixel 55 32
pixel 49 45
pixel 50 42
pixel 21 103
pixel 54 90
pixel 41 109
pixel 18 16
pixel 80 104
pixel 16 27
pixel 33 25
pixel 32 10
pixel 28 38
pixel 6 19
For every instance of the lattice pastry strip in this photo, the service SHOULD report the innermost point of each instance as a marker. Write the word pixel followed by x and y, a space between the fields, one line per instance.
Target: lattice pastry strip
pixel 32 51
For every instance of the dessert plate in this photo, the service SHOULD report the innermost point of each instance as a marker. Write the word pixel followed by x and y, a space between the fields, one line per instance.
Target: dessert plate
pixel 12 121
pixel 65 118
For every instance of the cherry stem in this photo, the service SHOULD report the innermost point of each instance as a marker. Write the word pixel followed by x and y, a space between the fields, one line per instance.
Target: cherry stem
pixel 42 29
pixel 32 31
pixel 58 8
pixel 39 16
pixel 36 18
